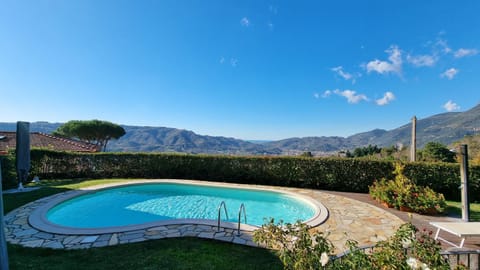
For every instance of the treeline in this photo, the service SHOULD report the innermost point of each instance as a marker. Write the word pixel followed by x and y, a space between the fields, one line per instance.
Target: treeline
pixel 432 152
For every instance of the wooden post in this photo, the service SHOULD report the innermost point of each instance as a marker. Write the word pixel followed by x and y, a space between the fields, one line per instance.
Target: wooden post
pixel 413 144
pixel 3 242
pixel 464 182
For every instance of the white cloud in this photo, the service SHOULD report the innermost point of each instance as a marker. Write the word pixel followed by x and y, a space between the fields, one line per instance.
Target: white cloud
pixel 245 22
pixel 339 70
pixel 394 64
pixel 443 46
pixel 451 106
pixel 234 62
pixel 387 98
pixel 222 60
pixel 450 73
pixel 351 96
pixel 327 93
pixel 422 60
pixel 465 52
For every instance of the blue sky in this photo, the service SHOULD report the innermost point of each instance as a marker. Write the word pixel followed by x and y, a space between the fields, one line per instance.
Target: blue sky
pixel 245 69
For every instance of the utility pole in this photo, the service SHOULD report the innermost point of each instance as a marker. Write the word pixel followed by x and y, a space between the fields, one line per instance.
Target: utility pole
pixel 413 144
pixel 464 182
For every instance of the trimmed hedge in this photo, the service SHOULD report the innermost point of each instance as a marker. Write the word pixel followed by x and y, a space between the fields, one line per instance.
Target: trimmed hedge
pixel 340 174
pixel 8 171
pixel 444 178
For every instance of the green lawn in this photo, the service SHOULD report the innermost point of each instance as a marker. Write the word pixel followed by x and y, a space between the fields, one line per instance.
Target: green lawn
pixel 179 253
pixel 49 187
pixel 455 208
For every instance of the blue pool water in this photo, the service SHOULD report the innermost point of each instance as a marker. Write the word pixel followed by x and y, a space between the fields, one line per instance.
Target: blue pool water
pixel 138 204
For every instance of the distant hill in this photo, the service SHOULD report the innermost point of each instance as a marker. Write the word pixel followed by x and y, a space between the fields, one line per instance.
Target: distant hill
pixel 473 143
pixel 162 139
pixel 44 127
pixel 445 128
pixel 312 144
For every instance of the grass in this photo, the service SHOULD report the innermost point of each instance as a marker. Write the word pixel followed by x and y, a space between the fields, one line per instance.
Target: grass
pixel 455 209
pixel 49 187
pixel 176 253
pixel 180 253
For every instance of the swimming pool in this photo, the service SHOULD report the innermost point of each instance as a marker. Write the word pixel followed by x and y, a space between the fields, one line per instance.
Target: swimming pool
pixel 138 206
pixel 135 204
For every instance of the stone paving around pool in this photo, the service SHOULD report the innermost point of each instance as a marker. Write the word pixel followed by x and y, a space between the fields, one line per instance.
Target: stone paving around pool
pixel 348 219
pixel 353 220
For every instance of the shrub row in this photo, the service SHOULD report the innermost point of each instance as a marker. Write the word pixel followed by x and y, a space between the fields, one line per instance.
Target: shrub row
pixel 8 175
pixel 340 174
pixel 444 178
pixel 325 173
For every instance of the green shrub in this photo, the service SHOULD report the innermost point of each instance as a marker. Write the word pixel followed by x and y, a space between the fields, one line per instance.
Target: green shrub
pixel 383 191
pixel 403 193
pixel 443 178
pixel 340 174
pixel 9 179
pixel 319 173
pixel 439 176
pixel 299 249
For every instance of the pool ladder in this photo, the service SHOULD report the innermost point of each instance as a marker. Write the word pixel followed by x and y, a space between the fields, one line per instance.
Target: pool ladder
pixel 240 211
pixel 219 209
pixel 242 207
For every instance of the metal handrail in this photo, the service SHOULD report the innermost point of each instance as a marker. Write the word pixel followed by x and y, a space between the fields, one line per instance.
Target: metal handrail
pixel 226 213
pixel 242 207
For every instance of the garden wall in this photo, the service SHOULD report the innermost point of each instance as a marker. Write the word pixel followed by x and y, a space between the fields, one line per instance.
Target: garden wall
pixel 340 174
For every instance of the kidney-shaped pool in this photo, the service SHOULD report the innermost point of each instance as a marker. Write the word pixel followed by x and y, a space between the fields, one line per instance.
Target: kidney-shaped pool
pixel 143 204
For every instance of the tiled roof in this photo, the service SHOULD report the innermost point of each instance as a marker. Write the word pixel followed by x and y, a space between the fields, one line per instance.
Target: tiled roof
pixel 42 140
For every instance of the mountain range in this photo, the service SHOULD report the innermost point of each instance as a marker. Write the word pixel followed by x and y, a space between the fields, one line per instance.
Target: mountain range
pixel 445 128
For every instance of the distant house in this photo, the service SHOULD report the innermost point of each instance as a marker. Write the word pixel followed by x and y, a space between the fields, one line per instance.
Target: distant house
pixel 42 140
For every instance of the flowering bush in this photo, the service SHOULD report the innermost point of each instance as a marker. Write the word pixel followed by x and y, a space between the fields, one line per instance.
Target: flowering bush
pixel 383 192
pixel 406 249
pixel 299 249
pixel 402 193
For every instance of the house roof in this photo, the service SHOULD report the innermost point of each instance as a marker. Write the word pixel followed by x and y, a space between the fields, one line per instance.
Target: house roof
pixel 42 140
